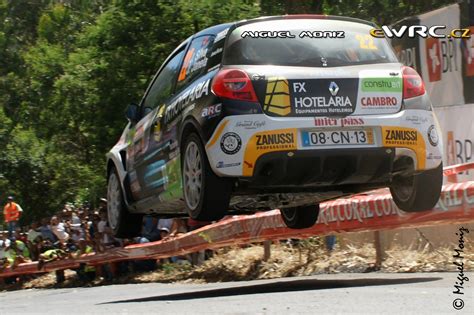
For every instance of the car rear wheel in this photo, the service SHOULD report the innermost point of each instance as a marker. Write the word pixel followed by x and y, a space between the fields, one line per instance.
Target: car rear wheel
pixel 206 195
pixel 301 217
pixel 122 223
pixel 419 192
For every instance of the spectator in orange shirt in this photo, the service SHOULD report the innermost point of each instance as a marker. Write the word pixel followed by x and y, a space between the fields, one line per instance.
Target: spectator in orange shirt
pixel 12 212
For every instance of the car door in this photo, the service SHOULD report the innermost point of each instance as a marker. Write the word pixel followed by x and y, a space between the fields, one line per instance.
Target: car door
pixel 151 147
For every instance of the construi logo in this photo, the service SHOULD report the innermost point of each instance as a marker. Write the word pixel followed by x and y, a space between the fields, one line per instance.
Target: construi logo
pixel 382 84
pixel 277 96
pixel 414 31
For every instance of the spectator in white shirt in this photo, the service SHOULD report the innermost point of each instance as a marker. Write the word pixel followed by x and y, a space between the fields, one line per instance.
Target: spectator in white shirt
pixel 59 229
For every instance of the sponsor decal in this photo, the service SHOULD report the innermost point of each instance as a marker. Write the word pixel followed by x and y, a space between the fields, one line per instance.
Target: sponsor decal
pixel 173 154
pixel 459 149
pixel 217 51
pixel 400 137
pixel 433 52
pixel 307 105
pixel 441 57
pixel 188 108
pixel 414 31
pixel 221 35
pixel 332 97
pixel 231 143
pixel 157 128
pixel 275 141
pixel 468 52
pixel 322 34
pixel 433 136
pixel 258 77
pixel 328 122
pixel 333 88
pixel 250 124
pixel 416 120
pixel 376 101
pixel 185 99
pixel 431 156
pixel 382 84
pixel 407 56
pixel 221 164
pixel 267 34
pixel 366 42
pixel 211 111
pixel 289 34
pixel 186 62
pixel 200 58
pixel 277 96
pixel 265 142
pixel 393 136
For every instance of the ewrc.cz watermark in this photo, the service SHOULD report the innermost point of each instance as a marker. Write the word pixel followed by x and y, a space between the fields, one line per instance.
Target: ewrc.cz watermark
pixel 458 303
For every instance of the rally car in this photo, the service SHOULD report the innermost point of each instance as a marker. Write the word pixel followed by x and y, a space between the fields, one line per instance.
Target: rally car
pixel 276 112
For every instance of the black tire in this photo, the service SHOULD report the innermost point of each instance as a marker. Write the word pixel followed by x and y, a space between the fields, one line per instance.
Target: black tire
pixel 123 223
pixel 301 217
pixel 209 201
pixel 419 192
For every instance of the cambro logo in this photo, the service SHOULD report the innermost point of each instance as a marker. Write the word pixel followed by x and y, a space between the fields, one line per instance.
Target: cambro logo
pixel 378 101
pixel 382 85
pixel 277 96
pixel 275 141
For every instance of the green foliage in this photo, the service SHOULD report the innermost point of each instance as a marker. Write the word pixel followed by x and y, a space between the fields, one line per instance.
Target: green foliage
pixel 69 68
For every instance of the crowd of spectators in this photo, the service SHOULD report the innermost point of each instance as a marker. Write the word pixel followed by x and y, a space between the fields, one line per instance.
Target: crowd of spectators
pixel 77 231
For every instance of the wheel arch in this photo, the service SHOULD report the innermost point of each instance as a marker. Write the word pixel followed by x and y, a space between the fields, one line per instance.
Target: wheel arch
pixel 190 125
pixel 119 166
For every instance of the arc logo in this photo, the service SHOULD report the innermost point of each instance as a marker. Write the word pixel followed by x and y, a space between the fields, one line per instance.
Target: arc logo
pixel 277 96
pixel 433 54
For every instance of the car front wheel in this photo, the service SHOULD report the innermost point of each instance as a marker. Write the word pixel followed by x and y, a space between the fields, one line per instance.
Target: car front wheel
pixel 122 223
pixel 206 195
pixel 301 217
pixel 419 192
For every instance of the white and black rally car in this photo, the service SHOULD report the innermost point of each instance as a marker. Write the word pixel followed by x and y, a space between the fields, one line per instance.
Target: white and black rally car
pixel 276 112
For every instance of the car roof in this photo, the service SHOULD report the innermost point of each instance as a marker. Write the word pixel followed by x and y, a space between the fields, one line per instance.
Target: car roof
pixel 220 27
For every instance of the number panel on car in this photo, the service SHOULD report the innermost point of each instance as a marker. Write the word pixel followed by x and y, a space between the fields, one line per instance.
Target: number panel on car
pixel 358 137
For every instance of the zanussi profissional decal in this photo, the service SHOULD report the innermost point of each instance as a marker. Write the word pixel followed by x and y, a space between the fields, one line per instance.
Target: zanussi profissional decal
pixel 400 137
pixel 277 96
pixel 267 141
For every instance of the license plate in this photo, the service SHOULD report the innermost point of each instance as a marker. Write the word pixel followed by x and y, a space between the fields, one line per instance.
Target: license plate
pixel 338 137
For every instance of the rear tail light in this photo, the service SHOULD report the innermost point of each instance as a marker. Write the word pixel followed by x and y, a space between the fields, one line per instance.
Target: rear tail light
pixel 412 83
pixel 234 84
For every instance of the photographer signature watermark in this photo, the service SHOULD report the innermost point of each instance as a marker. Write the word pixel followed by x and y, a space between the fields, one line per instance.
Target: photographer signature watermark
pixel 458 302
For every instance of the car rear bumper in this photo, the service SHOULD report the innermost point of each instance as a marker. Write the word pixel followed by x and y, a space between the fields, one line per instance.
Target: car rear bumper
pixel 328 168
pixel 246 145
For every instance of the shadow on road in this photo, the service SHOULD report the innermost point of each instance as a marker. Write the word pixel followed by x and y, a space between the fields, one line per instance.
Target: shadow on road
pixel 280 286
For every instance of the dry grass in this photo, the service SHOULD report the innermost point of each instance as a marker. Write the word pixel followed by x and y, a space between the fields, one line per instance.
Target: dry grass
pixel 307 258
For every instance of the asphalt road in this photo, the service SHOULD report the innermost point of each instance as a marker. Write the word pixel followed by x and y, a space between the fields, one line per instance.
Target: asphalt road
pixel 417 293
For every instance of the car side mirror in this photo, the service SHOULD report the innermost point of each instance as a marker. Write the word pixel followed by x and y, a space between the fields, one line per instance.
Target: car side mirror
pixel 132 112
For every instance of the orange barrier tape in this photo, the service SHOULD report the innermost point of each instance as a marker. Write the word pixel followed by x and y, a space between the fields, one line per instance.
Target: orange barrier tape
pixel 358 213
pixel 458 168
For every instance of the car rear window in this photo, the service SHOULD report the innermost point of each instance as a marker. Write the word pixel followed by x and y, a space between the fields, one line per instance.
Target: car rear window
pixel 305 49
